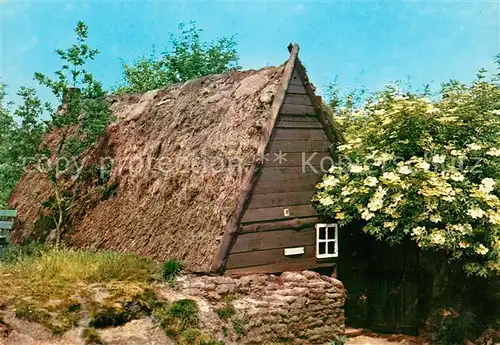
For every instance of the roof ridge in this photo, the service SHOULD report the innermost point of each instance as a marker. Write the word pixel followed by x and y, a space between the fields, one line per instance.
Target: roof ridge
pixel 251 176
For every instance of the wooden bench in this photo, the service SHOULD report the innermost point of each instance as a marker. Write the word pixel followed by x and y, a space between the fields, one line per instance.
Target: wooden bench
pixel 6 224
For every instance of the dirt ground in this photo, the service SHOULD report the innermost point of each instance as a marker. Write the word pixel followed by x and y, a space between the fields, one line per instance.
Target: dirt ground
pixel 383 340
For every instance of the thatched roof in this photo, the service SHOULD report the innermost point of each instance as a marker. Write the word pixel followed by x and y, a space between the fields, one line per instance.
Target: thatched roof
pixel 180 157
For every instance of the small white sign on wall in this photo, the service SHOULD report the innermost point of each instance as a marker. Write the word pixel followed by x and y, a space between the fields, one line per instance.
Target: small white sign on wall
pixel 294 251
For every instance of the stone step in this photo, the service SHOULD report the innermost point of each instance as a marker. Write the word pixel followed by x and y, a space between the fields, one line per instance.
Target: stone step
pixel 354 332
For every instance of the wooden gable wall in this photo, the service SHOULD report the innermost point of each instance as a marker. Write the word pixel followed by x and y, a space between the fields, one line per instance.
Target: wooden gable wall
pixel 264 230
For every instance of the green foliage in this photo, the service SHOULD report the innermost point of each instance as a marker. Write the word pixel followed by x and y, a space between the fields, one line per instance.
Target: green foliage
pixel 91 337
pixel 424 169
pixel 188 58
pixel 186 311
pixel 171 268
pixel 226 312
pixel 194 336
pixel 454 329
pixel 238 326
pixel 177 318
pixel 14 253
pixel 338 340
pixel 21 133
pixel 79 121
pixel 57 322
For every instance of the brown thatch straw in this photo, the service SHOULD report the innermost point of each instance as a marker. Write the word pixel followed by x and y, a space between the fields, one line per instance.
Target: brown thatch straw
pixel 180 156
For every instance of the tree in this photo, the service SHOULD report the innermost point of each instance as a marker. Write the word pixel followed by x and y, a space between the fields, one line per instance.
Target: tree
pixel 20 136
pixel 428 170
pixel 188 58
pixel 82 117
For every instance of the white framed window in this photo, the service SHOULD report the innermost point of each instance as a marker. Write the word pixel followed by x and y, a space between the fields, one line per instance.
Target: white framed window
pixel 327 241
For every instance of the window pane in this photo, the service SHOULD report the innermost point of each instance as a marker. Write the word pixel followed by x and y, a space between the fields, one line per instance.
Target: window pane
pixel 331 233
pixel 322 233
pixel 322 248
pixel 331 247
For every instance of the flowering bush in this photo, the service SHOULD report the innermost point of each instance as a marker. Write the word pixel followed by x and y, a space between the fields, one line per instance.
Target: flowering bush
pixel 425 169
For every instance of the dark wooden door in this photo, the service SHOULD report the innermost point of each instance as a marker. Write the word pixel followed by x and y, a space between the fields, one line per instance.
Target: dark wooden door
pixel 382 282
pixel 394 290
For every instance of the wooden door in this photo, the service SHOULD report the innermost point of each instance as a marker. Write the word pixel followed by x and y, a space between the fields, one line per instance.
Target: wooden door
pixel 394 289
pixel 382 283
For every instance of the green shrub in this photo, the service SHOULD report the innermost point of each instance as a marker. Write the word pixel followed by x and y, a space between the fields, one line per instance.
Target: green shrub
pixel 186 311
pixel 226 312
pixel 14 253
pixel 58 321
pixel 190 336
pixel 171 268
pixel 338 340
pixel 238 327
pixel 91 337
pixel 455 329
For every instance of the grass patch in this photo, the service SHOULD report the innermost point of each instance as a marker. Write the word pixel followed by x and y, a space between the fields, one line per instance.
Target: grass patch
pixel 194 336
pixel 179 319
pixel 91 337
pixel 226 312
pixel 15 253
pixel 60 272
pixel 118 309
pixel 48 285
pixel 238 327
pixel 171 268
pixel 58 318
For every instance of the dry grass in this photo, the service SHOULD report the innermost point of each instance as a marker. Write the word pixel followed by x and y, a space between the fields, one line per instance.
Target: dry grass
pixel 54 287
pixel 61 272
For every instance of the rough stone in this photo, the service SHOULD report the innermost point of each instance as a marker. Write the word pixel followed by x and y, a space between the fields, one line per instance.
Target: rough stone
pixel 302 307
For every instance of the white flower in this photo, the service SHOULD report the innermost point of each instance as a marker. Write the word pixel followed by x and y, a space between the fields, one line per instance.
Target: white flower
pixel 385 157
pixel 495 152
pixel 488 184
pixel 463 244
pixel 390 177
pixel 418 231
pixel 330 181
pixel 326 201
pixel 438 159
pixel 448 198
pixel 375 204
pixel 367 215
pixel 346 191
pixel 421 164
pixel 475 213
pixel 371 181
pixel 457 153
pixel 357 169
pixel 456 176
pixel 494 218
pixel 404 170
pixel 437 238
pixel 432 110
pixel 482 250
pixel 390 225
pixel 435 218
pixel 340 215
pixel 496 111
pixel 474 147
pixel 344 147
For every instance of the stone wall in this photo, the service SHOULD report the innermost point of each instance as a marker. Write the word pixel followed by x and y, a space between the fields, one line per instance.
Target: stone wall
pixel 295 307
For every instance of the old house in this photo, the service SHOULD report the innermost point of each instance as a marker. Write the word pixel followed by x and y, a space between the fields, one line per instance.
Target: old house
pixel 218 172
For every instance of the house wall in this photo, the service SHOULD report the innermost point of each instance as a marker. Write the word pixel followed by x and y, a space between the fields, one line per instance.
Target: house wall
pixel 293 308
pixel 265 231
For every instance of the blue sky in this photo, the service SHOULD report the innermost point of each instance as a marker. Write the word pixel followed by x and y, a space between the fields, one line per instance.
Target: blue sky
pixel 365 43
